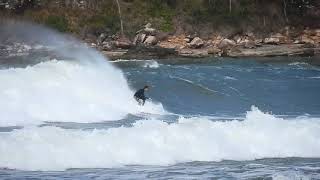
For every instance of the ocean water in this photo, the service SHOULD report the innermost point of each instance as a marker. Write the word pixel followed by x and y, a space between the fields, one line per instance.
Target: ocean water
pixel 220 119
pixel 68 113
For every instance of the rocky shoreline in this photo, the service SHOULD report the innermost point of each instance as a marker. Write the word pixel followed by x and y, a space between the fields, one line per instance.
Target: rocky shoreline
pixel 151 44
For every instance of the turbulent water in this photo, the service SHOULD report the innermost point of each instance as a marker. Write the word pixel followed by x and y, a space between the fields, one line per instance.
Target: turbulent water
pixel 69 114
pixel 219 119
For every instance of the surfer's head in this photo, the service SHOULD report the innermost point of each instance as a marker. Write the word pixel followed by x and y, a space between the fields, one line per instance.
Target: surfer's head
pixel 146 87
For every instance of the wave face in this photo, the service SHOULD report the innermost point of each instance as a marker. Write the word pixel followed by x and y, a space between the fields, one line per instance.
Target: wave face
pixel 82 87
pixel 66 91
pixel 153 142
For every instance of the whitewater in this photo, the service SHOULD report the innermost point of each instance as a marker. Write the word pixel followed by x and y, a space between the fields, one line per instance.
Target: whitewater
pixel 65 91
pixel 153 142
pixel 66 111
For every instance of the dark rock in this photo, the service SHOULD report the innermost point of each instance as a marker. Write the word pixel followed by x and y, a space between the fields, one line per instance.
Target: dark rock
pixel 123 43
pixel 148 52
pixel 101 38
pixel 273 50
pixel 139 38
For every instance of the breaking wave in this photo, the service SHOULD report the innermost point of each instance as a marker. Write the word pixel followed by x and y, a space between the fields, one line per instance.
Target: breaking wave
pixel 66 91
pixel 153 142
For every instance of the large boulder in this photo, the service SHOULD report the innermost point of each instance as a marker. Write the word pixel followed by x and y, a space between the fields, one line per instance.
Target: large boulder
pixel 317 32
pixel 239 39
pixel 245 41
pixel 276 39
pixel 139 38
pixel 248 43
pixel 283 39
pixel 272 40
pixel 151 40
pixel 148 30
pixel 122 43
pixel 217 40
pixel 101 38
pixel 307 40
pixel 196 43
pixel 214 51
pixel 106 45
pixel 226 44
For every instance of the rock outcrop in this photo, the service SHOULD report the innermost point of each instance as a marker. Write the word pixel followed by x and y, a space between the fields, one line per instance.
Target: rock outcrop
pixel 122 43
pixel 274 50
pixel 150 40
pixel 226 44
pixel 195 43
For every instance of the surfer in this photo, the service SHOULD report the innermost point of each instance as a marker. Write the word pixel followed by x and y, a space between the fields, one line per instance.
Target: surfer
pixel 139 95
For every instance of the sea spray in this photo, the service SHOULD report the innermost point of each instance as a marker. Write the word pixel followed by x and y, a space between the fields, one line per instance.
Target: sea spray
pixel 81 86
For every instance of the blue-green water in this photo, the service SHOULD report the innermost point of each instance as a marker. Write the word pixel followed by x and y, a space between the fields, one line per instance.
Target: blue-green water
pixel 232 87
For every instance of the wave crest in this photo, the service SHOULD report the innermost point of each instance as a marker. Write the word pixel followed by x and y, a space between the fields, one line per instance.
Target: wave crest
pixel 153 142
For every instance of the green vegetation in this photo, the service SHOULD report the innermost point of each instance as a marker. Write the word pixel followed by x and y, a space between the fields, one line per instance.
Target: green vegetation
pixel 164 13
pixel 101 22
pixel 57 22
pixel 95 16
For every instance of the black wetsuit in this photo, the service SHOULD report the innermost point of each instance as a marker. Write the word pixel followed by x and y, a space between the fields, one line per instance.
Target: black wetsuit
pixel 139 95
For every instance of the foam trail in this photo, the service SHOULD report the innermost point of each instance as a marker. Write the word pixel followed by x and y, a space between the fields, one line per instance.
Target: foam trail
pixel 155 142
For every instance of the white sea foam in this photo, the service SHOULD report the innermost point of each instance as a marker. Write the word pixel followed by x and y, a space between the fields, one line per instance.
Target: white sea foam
pixel 144 63
pixel 291 175
pixel 315 77
pixel 66 91
pixel 229 78
pixel 151 64
pixel 297 63
pixel 153 142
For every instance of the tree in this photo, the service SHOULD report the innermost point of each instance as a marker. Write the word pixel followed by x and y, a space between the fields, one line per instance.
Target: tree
pixel 285 10
pixel 119 11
